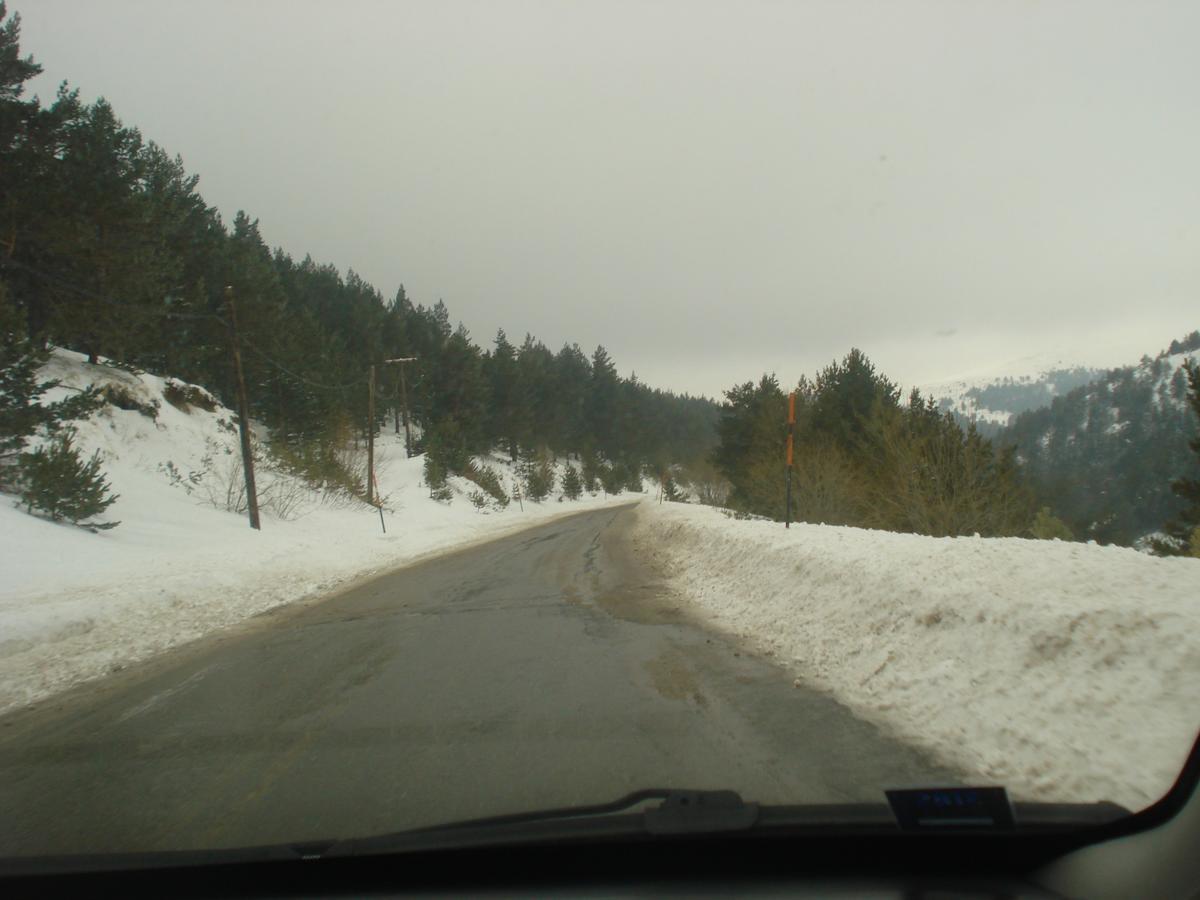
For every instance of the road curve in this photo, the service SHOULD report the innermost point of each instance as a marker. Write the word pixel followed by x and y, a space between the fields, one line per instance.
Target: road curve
pixel 541 669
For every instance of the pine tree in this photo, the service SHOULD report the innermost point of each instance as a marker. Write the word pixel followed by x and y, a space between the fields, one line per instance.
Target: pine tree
pixel 501 370
pixel 749 453
pixel 591 470
pixel 845 395
pixel 572 484
pixel 106 240
pixel 572 375
pixel 1182 529
pixel 533 406
pixel 1048 527
pixel 108 248
pixel 15 70
pixel 602 404
pixel 671 491
pixel 612 478
pixel 55 480
pixel 538 474
pixel 21 416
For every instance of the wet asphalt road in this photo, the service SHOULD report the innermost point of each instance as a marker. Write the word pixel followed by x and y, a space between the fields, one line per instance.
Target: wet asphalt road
pixel 547 668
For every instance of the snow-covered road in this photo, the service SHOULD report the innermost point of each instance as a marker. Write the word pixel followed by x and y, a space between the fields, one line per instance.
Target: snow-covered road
pixel 76 605
pixel 1066 671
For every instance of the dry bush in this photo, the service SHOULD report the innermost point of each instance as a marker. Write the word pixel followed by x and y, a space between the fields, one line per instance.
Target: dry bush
pixel 123 398
pixel 828 488
pixel 184 396
pixel 710 486
pixel 942 482
pixel 488 480
pixel 333 465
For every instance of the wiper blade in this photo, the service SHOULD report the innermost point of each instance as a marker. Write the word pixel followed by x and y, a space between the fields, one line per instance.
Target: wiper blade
pixel 691 812
pixel 681 812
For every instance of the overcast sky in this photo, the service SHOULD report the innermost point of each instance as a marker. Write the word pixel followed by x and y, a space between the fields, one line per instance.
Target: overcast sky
pixel 711 190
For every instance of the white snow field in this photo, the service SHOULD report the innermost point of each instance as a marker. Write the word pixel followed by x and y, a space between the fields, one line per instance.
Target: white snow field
pixel 76 605
pixel 1065 671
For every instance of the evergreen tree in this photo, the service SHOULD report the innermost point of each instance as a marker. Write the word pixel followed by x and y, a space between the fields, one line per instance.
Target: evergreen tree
pixel 503 417
pixel 613 478
pixel 1048 527
pixel 532 411
pixel 538 474
pixel 751 434
pixel 1182 530
pixel 21 416
pixel 671 491
pixel 862 459
pixel 570 432
pixel 845 396
pixel 106 246
pixel 17 150
pixel 601 406
pixel 55 480
pixel 15 69
pixel 572 484
pixel 591 470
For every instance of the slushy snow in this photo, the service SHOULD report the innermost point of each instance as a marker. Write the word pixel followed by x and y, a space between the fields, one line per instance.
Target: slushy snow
pixel 1065 671
pixel 77 605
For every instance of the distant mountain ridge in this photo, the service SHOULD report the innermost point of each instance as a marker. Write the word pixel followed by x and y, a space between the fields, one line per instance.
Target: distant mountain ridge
pixel 992 404
pixel 1103 453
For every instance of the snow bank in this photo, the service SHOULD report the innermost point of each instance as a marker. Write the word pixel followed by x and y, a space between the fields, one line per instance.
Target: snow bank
pixel 1065 671
pixel 76 605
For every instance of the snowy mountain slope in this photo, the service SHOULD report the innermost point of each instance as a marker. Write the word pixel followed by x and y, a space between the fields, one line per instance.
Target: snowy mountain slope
pixel 1104 454
pixel 1065 671
pixel 76 605
pixel 995 401
pixel 993 397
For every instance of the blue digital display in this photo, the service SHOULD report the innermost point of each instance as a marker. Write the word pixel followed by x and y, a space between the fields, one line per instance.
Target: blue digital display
pixel 951 807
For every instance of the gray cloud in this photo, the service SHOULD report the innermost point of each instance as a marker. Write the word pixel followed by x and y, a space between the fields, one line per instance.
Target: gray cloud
pixel 710 190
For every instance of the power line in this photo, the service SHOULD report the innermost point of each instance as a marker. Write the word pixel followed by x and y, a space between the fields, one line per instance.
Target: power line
pixel 281 367
pixel 100 298
pixel 168 314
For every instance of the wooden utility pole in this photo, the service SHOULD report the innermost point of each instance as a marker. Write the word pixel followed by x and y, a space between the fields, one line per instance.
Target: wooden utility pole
pixel 379 506
pixel 371 436
pixel 787 514
pixel 396 409
pixel 401 360
pixel 243 414
pixel 372 488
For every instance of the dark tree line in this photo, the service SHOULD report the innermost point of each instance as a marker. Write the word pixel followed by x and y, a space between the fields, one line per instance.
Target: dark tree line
pixel 864 457
pixel 107 247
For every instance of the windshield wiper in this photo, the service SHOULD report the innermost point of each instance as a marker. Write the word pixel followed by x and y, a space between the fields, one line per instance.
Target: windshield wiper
pixel 699 812
pixel 681 812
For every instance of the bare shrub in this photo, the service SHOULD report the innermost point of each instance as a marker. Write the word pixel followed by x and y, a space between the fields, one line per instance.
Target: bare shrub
pixel 488 480
pixel 184 396
pixel 123 398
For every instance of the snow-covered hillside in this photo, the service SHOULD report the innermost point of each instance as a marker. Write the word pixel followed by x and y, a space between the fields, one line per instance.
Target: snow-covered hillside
pixel 993 397
pixel 995 401
pixel 76 605
pixel 1103 456
pixel 1065 671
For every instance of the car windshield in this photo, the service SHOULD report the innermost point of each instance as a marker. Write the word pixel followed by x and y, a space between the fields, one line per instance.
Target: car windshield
pixel 412 413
